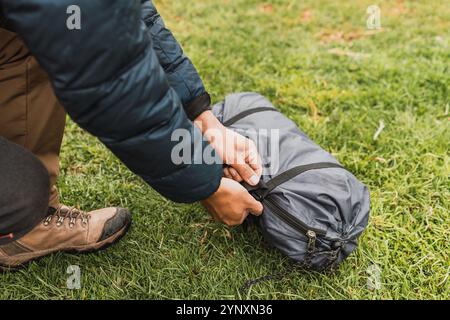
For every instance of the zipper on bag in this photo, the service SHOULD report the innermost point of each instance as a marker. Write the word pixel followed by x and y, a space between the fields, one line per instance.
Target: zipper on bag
pixel 294 222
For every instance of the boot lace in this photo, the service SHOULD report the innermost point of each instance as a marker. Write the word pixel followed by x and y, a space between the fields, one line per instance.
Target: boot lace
pixel 61 213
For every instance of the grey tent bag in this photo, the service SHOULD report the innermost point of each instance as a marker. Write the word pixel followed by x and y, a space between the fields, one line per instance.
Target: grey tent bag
pixel 314 209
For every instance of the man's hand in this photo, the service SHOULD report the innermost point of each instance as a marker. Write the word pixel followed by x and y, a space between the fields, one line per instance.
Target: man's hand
pixel 231 203
pixel 235 150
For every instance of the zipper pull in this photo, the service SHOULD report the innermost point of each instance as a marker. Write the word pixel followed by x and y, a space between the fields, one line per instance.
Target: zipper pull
pixel 312 241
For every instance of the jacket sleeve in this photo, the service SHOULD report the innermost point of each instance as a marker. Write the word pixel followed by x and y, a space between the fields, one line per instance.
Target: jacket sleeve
pixel 108 78
pixel 180 71
pixel 2 18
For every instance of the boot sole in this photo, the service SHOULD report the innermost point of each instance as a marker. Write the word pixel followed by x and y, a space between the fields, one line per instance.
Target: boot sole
pixel 96 247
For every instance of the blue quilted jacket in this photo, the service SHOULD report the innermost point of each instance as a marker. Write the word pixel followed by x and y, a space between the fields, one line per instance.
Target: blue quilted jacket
pixel 123 78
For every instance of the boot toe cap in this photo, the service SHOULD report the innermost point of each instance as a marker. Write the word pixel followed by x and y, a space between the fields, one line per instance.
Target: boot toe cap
pixel 120 220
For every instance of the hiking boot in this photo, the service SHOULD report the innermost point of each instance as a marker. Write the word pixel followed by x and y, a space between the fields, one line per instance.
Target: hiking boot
pixel 66 229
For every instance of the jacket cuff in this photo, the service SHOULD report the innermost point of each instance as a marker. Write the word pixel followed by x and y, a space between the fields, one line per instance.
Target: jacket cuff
pixel 197 106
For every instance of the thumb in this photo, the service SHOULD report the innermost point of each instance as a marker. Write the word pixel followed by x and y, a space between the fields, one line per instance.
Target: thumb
pixel 255 207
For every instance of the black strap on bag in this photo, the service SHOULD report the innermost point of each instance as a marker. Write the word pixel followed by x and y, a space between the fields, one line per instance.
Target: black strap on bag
pixel 264 188
pixel 246 113
pixel 291 173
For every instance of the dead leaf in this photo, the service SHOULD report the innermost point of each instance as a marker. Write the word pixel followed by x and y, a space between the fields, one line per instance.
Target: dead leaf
pixel 314 110
pixel 76 169
pixel 204 238
pixel 352 35
pixel 327 37
pixel 266 8
pixel 306 16
pixel 373 32
pixel 228 234
pixel 399 9
pixel 380 159
pixel 380 129
pixel 340 36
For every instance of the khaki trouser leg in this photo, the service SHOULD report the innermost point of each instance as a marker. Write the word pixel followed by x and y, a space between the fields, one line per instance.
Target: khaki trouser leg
pixel 30 114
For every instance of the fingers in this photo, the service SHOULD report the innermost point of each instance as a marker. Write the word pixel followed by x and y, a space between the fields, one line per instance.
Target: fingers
pixel 231 173
pixel 244 216
pixel 235 220
pixel 236 176
pixel 232 203
pixel 254 161
pixel 255 207
pixel 250 169
pixel 247 173
pixel 227 174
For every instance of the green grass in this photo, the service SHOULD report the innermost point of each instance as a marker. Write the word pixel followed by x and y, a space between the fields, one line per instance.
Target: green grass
pixel 288 52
